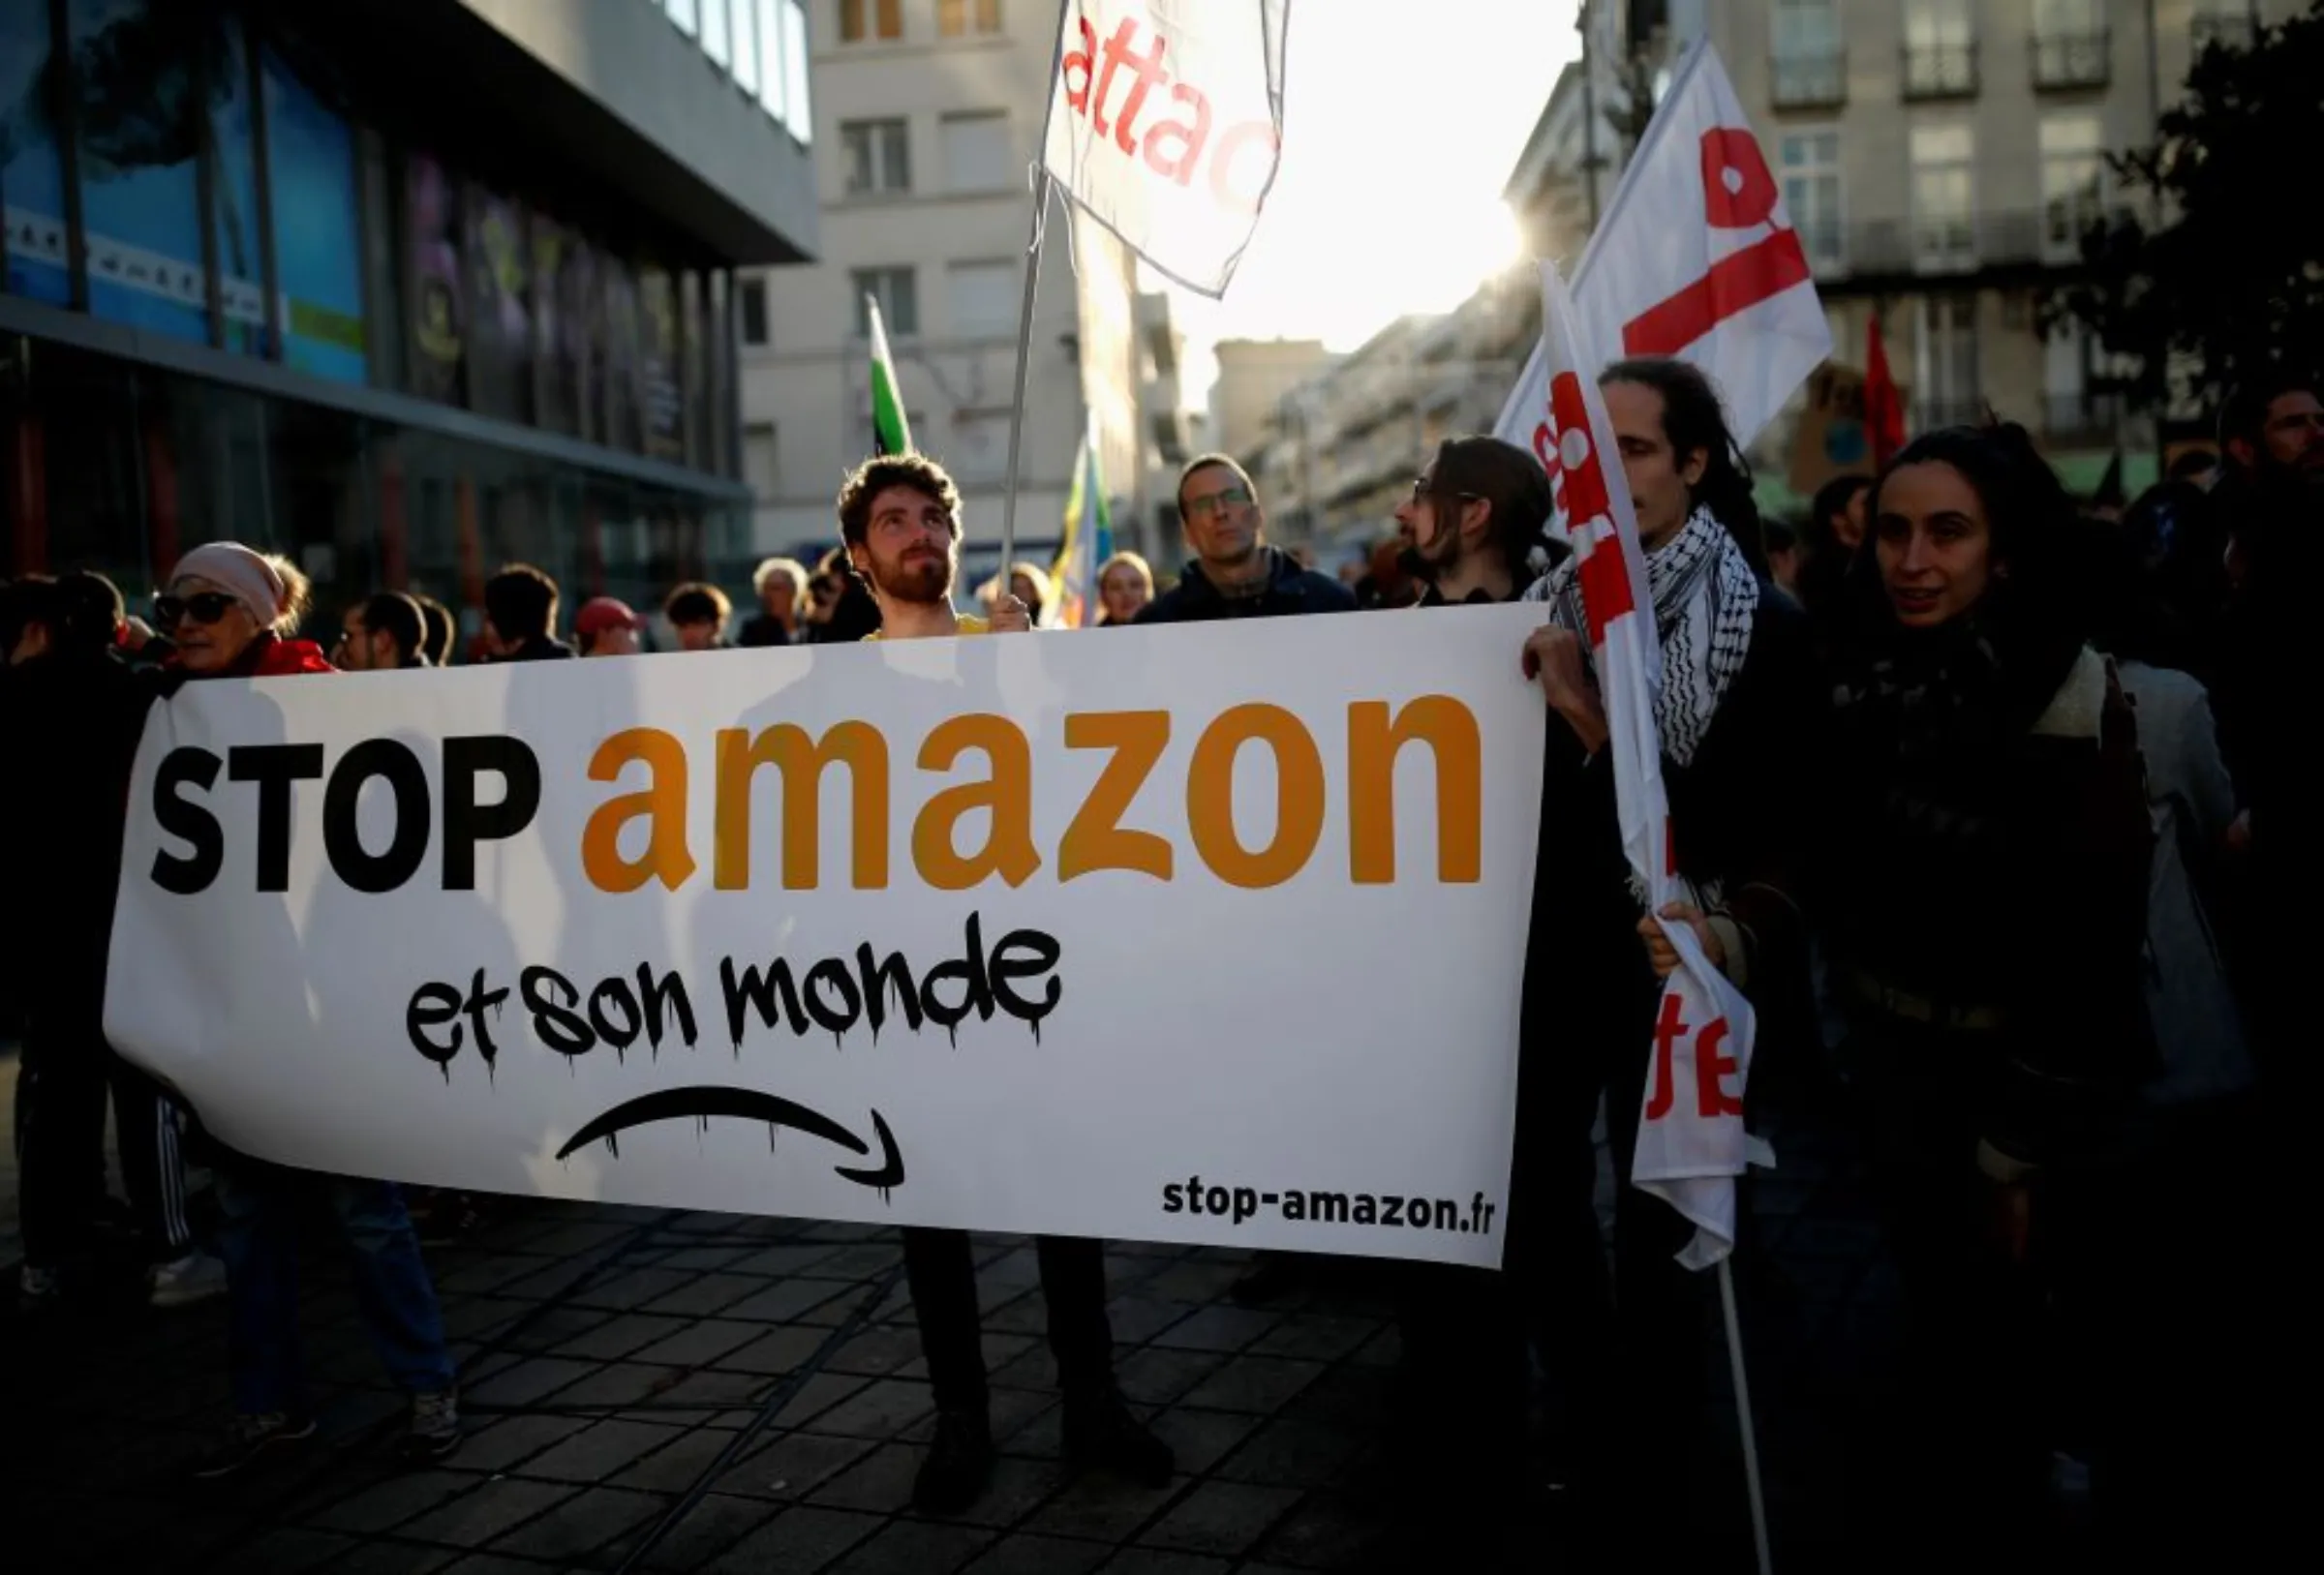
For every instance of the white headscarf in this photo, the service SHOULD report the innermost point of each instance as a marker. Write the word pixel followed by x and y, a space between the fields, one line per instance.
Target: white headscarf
pixel 242 573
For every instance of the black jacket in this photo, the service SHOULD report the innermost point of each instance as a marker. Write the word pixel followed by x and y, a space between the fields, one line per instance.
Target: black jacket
pixel 539 649
pixel 762 629
pixel 1290 588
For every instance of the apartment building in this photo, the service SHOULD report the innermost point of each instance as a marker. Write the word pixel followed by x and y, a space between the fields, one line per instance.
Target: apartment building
pixel 1253 377
pixel 927 119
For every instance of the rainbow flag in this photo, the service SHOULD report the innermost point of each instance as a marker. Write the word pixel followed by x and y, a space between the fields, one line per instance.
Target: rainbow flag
pixel 1088 538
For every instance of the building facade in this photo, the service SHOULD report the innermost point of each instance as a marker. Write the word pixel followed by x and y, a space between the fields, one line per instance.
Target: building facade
pixel 1253 377
pixel 402 290
pixel 929 116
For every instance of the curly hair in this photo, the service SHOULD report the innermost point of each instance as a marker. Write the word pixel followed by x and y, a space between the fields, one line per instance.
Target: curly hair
pixel 1694 418
pixel 868 480
pixel 298 594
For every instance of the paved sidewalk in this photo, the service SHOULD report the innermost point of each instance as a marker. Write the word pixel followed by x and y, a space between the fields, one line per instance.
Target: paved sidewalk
pixel 616 1359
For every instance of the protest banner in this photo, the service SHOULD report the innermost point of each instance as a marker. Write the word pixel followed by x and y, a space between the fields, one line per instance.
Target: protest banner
pixel 1123 937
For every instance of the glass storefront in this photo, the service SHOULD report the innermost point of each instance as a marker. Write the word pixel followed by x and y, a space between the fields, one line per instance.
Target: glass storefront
pixel 120 468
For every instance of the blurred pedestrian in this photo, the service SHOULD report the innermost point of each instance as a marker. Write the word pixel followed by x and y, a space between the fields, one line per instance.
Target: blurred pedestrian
pixel 698 613
pixel 520 617
pixel 1234 572
pixel 607 626
pixel 387 632
pixel 780 586
pixel 442 630
pixel 1126 584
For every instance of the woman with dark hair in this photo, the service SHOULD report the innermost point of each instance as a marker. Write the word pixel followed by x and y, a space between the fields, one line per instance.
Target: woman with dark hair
pixel 1832 533
pixel 1736 718
pixel 1985 891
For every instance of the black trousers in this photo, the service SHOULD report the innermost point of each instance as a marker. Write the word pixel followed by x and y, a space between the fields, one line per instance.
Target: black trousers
pixel 62 1081
pixel 941 1270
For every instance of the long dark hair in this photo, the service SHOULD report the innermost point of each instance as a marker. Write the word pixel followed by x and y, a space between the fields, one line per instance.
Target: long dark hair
pixel 1693 418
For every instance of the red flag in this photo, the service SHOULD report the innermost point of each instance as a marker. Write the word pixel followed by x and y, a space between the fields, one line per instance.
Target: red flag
pixel 1883 407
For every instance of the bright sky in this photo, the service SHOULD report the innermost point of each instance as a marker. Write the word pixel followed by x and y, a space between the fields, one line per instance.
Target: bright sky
pixel 1401 124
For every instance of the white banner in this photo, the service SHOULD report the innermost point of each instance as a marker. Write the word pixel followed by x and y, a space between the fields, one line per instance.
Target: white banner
pixel 1138 937
pixel 1166 124
pixel 1695 257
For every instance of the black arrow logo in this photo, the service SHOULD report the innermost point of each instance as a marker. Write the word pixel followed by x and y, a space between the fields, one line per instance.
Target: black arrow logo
pixel 701 1102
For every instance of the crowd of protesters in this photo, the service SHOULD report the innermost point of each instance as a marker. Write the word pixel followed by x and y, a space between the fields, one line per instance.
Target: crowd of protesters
pixel 1984 797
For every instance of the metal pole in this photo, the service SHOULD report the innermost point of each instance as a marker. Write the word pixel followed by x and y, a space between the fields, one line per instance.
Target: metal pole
pixel 1743 1422
pixel 1033 283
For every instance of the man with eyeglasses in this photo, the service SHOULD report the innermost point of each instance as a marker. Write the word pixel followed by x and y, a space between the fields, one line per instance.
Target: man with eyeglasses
pixel 1234 572
pixel 899 519
pixel 388 632
pixel 1474 515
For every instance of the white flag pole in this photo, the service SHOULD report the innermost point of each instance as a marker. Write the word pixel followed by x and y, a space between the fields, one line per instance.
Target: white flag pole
pixel 1025 311
pixel 1743 1420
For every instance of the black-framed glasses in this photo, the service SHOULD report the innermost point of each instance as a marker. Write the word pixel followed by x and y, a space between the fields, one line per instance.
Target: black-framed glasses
pixel 1423 486
pixel 203 607
pixel 1218 502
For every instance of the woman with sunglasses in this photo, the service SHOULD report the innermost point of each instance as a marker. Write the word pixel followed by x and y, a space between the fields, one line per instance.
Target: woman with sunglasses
pixel 232 610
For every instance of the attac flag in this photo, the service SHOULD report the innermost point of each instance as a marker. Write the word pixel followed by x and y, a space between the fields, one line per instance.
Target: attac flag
pixel 1166 124
pixel 1697 259
pixel 1691 1144
pixel 1088 536
pixel 1884 402
pixel 891 430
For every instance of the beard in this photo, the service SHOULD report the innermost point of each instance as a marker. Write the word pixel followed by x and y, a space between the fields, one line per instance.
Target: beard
pixel 920 575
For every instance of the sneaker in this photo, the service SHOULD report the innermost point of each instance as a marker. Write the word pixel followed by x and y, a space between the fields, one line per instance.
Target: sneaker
pixel 38 1290
pixel 434 1430
pixel 194 1278
pixel 251 1437
pixel 953 1476
pixel 1101 1433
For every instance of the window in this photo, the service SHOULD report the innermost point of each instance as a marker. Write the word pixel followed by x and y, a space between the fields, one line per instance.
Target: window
pixel 1944 233
pixel 864 20
pixel 1810 67
pixel 878 155
pixel 684 13
pixel 976 152
pixel 898 295
pixel 980 444
pixel 1811 177
pixel 1940 48
pixel 754 311
pixel 2071 46
pixel 953 16
pixel 745 46
pixel 2066 379
pixel 2072 183
pixel 984 300
pixel 716 43
pixel 2229 23
pixel 801 120
pixel 771 79
pixel 1946 391
pixel 761 460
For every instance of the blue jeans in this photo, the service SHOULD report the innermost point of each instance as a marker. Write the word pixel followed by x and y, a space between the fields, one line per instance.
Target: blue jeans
pixel 258 1239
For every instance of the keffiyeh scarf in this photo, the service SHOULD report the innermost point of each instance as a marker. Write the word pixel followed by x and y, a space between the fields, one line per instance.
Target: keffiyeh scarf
pixel 1706 597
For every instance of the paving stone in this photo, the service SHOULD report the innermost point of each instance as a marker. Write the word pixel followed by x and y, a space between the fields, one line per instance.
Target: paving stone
pixel 600 1452
pixel 1016 1489
pixel 799 1540
pixel 710 1528
pixel 1315 1337
pixel 880 1410
pixel 1025 1313
pixel 1034 1368
pixel 876 1352
pixel 584 1528
pixel 1137 1320
pixel 530 1381
pixel 630 1289
pixel 710 1294
pixel 1163 1561
pixel 472 1317
pixel 675 1466
pixel 1325 1533
pixel 793 1465
pixel 712 1388
pixel 578 1237
pixel 707 1257
pixel 619 1383
pixel 551 1330
pixel 1384 1349
pixel 777 1351
pixel 1254 1384
pixel 915 1548
pixel 494 1506
pixel 1027 1554
pixel 785 1260
pixel 881 1482
pixel 1200 1438
pixel 1102 1509
pixel 1218 1328
pixel 1196 1281
pixel 288 1550
pixel 622 1335
pixel 819 1395
pixel 385 1556
pixel 1223 1518
pixel 1008 1412
pixel 1156 1377
pixel 1353 1400
pixel 390 1503
pixel 785 1300
pixel 513 1438
pixel 862 1262
pixel 1291 1454
pixel 698 1345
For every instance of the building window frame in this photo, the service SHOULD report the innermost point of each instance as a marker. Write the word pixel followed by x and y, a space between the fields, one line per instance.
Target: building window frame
pixel 876 157
pixel 896 289
pixel 870 21
pixel 2073 180
pixel 752 324
pixel 1940 50
pixel 1822 234
pixel 1954 180
pixel 1808 55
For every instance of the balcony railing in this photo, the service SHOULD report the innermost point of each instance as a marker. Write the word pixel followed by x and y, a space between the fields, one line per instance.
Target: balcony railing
pixel 1809 81
pixel 1946 70
pixel 2227 32
pixel 2070 60
pixel 1940 244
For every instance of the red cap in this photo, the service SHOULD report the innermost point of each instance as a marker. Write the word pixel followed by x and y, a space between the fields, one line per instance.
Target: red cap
pixel 599 614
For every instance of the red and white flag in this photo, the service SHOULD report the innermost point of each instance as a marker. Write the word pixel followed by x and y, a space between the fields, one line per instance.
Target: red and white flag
pixel 1166 124
pixel 1695 257
pixel 1691 1144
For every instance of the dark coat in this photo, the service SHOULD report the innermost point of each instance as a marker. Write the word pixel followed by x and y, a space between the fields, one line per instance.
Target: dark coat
pixel 1289 589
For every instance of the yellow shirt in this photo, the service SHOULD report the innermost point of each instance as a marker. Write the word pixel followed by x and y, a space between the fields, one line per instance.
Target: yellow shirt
pixel 970 623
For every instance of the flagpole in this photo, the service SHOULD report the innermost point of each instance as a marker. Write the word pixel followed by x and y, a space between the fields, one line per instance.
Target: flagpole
pixel 1743 1420
pixel 1025 311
